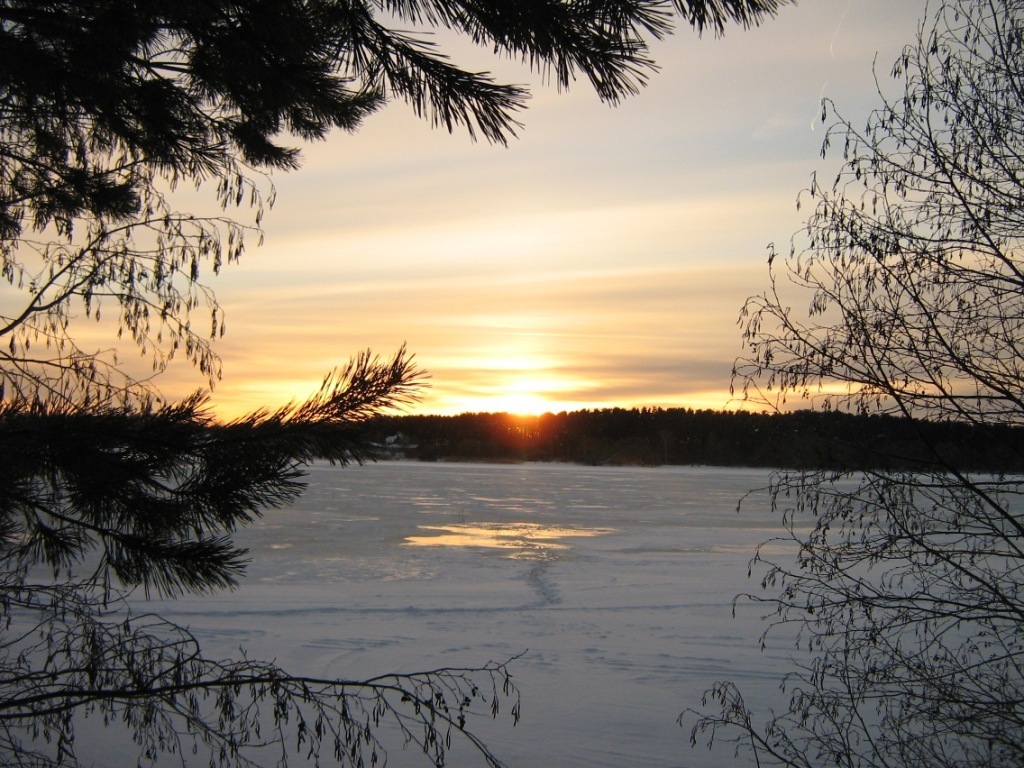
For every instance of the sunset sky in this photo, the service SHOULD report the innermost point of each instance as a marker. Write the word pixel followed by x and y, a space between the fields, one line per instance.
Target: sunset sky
pixel 599 260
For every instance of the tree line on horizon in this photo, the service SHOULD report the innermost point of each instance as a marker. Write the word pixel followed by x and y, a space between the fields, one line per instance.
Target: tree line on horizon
pixel 802 439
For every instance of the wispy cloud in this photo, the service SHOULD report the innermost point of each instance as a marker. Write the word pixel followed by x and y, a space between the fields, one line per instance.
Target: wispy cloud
pixel 600 260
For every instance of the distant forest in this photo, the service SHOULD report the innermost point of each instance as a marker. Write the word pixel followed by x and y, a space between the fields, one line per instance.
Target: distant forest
pixel 654 436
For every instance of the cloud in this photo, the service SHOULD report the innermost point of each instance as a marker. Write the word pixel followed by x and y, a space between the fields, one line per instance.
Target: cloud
pixel 601 258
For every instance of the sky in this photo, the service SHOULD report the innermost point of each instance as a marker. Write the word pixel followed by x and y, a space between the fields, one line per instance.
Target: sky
pixel 599 260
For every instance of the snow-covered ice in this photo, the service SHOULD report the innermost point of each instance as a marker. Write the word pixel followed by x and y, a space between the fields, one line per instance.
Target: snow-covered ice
pixel 615 585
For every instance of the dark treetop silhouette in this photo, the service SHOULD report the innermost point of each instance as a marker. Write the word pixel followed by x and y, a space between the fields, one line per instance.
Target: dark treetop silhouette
pixel 908 587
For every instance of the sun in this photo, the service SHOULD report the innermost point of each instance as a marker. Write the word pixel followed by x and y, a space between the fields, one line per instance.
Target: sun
pixel 516 403
pixel 519 404
pixel 522 393
pixel 521 379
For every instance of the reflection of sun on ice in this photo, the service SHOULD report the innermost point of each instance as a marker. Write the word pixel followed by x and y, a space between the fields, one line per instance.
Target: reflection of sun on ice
pixel 527 539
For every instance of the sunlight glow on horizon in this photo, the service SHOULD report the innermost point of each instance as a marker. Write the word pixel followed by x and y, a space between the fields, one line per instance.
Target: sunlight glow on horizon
pixel 600 260
pixel 514 395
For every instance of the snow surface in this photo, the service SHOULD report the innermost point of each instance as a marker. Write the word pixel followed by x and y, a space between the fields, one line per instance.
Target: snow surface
pixel 615 585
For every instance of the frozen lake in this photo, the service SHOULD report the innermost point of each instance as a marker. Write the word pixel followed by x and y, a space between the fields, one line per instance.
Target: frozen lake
pixel 615 585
